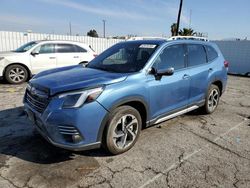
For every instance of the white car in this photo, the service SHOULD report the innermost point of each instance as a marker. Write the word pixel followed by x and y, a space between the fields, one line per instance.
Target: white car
pixel 19 65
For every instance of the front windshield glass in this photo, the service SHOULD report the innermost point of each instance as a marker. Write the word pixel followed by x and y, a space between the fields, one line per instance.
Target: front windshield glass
pixel 25 47
pixel 124 57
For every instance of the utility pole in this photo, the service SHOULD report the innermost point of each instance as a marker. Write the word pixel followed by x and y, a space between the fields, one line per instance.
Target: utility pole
pixel 104 28
pixel 178 19
pixel 70 29
pixel 190 18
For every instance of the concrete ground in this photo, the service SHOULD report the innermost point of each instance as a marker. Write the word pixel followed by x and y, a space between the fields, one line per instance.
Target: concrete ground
pixel 192 150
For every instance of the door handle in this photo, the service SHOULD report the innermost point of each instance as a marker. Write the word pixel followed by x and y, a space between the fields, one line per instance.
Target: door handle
pixel 210 69
pixel 52 57
pixel 185 77
pixel 76 56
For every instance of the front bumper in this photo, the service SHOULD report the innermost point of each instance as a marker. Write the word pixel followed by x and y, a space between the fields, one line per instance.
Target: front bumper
pixel 85 121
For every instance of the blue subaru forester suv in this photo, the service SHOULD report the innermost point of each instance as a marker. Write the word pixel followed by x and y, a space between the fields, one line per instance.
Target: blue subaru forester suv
pixel 129 86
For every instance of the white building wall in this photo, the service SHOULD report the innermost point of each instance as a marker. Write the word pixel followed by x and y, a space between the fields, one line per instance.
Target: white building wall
pixel 11 40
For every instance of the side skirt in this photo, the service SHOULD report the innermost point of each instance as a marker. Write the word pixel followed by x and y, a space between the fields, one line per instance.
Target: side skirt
pixel 175 114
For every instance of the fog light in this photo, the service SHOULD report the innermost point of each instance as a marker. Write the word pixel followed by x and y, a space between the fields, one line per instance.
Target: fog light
pixel 76 138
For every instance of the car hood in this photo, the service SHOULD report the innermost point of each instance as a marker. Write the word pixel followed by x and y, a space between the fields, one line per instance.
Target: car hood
pixel 7 54
pixel 73 78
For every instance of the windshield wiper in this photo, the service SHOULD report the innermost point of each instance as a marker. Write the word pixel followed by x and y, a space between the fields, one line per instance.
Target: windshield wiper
pixel 102 68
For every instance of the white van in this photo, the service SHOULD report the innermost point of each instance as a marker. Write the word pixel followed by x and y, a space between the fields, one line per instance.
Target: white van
pixel 18 65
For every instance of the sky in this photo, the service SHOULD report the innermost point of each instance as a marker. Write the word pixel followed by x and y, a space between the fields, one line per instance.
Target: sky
pixel 220 19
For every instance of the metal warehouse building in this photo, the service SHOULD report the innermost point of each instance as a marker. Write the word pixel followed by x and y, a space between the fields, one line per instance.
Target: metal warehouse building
pixel 238 55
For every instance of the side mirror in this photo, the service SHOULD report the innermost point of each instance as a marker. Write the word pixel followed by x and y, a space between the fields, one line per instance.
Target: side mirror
pixel 162 72
pixel 34 53
pixel 165 72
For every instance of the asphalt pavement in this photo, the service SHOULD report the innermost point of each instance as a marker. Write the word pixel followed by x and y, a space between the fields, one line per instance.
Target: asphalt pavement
pixel 193 150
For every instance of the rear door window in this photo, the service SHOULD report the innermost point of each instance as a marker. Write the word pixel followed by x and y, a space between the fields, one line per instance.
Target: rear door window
pixel 79 49
pixel 211 53
pixel 196 55
pixel 65 48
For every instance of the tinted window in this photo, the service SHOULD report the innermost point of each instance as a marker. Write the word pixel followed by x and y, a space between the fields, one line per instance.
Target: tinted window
pixel 65 48
pixel 196 54
pixel 46 49
pixel 79 49
pixel 172 56
pixel 211 53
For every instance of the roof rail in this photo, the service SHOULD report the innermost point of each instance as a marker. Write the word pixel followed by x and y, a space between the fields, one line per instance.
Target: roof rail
pixel 147 38
pixel 187 38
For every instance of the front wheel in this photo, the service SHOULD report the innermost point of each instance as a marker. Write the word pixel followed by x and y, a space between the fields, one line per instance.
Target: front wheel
pixel 212 99
pixel 123 129
pixel 16 74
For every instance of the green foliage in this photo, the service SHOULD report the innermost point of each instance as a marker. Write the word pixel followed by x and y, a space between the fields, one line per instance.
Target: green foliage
pixel 187 32
pixel 92 33
pixel 182 32
pixel 173 29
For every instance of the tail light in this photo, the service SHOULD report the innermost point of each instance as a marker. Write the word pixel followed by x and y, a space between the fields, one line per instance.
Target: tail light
pixel 226 64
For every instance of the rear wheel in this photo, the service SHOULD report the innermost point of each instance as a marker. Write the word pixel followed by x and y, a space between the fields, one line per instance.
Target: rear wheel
pixel 123 129
pixel 16 74
pixel 212 99
pixel 84 63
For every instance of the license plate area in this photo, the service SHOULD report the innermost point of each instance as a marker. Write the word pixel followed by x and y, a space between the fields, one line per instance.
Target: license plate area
pixel 31 116
pixel 35 120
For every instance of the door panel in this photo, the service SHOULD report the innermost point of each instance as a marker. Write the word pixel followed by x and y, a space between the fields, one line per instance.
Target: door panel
pixel 67 55
pixel 198 83
pixel 43 58
pixel 170 92
pixel 199 71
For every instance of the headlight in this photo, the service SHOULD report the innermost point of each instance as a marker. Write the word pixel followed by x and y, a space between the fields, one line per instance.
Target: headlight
pixel 1 58
pixel 78 98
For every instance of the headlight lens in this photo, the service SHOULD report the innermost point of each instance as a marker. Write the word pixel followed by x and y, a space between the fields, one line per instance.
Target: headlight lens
pixel 78 98
pixel 1 58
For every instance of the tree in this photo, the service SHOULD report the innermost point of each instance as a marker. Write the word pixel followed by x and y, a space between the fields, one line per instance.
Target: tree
pixel 173 29
pixel 92 33
pixel 187 32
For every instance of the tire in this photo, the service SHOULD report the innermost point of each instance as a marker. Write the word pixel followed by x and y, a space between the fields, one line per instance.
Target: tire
pixel 84 63
pixel 119 138
pixel 212 99
pixel 16 74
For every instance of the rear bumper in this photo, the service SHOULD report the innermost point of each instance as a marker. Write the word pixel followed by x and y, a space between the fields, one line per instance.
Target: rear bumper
pixel 85 122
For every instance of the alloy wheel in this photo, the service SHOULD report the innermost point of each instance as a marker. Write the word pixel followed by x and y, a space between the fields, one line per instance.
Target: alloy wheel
pixel 125 131
pixel 213 100
pixel 17 75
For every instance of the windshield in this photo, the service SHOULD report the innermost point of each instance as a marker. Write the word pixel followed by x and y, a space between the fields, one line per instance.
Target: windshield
pixel 25 47
pixel 124 57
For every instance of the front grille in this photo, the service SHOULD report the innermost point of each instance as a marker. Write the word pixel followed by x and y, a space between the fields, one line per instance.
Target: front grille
pixel 68 130
pixel 36 102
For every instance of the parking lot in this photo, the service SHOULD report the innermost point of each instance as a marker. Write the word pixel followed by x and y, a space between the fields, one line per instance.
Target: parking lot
pixel 192 150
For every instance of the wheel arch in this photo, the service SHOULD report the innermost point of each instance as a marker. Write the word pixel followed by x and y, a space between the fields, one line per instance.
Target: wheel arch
pixel 136 102
pixel 83 62
pixel 21 64
pixel 219 84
